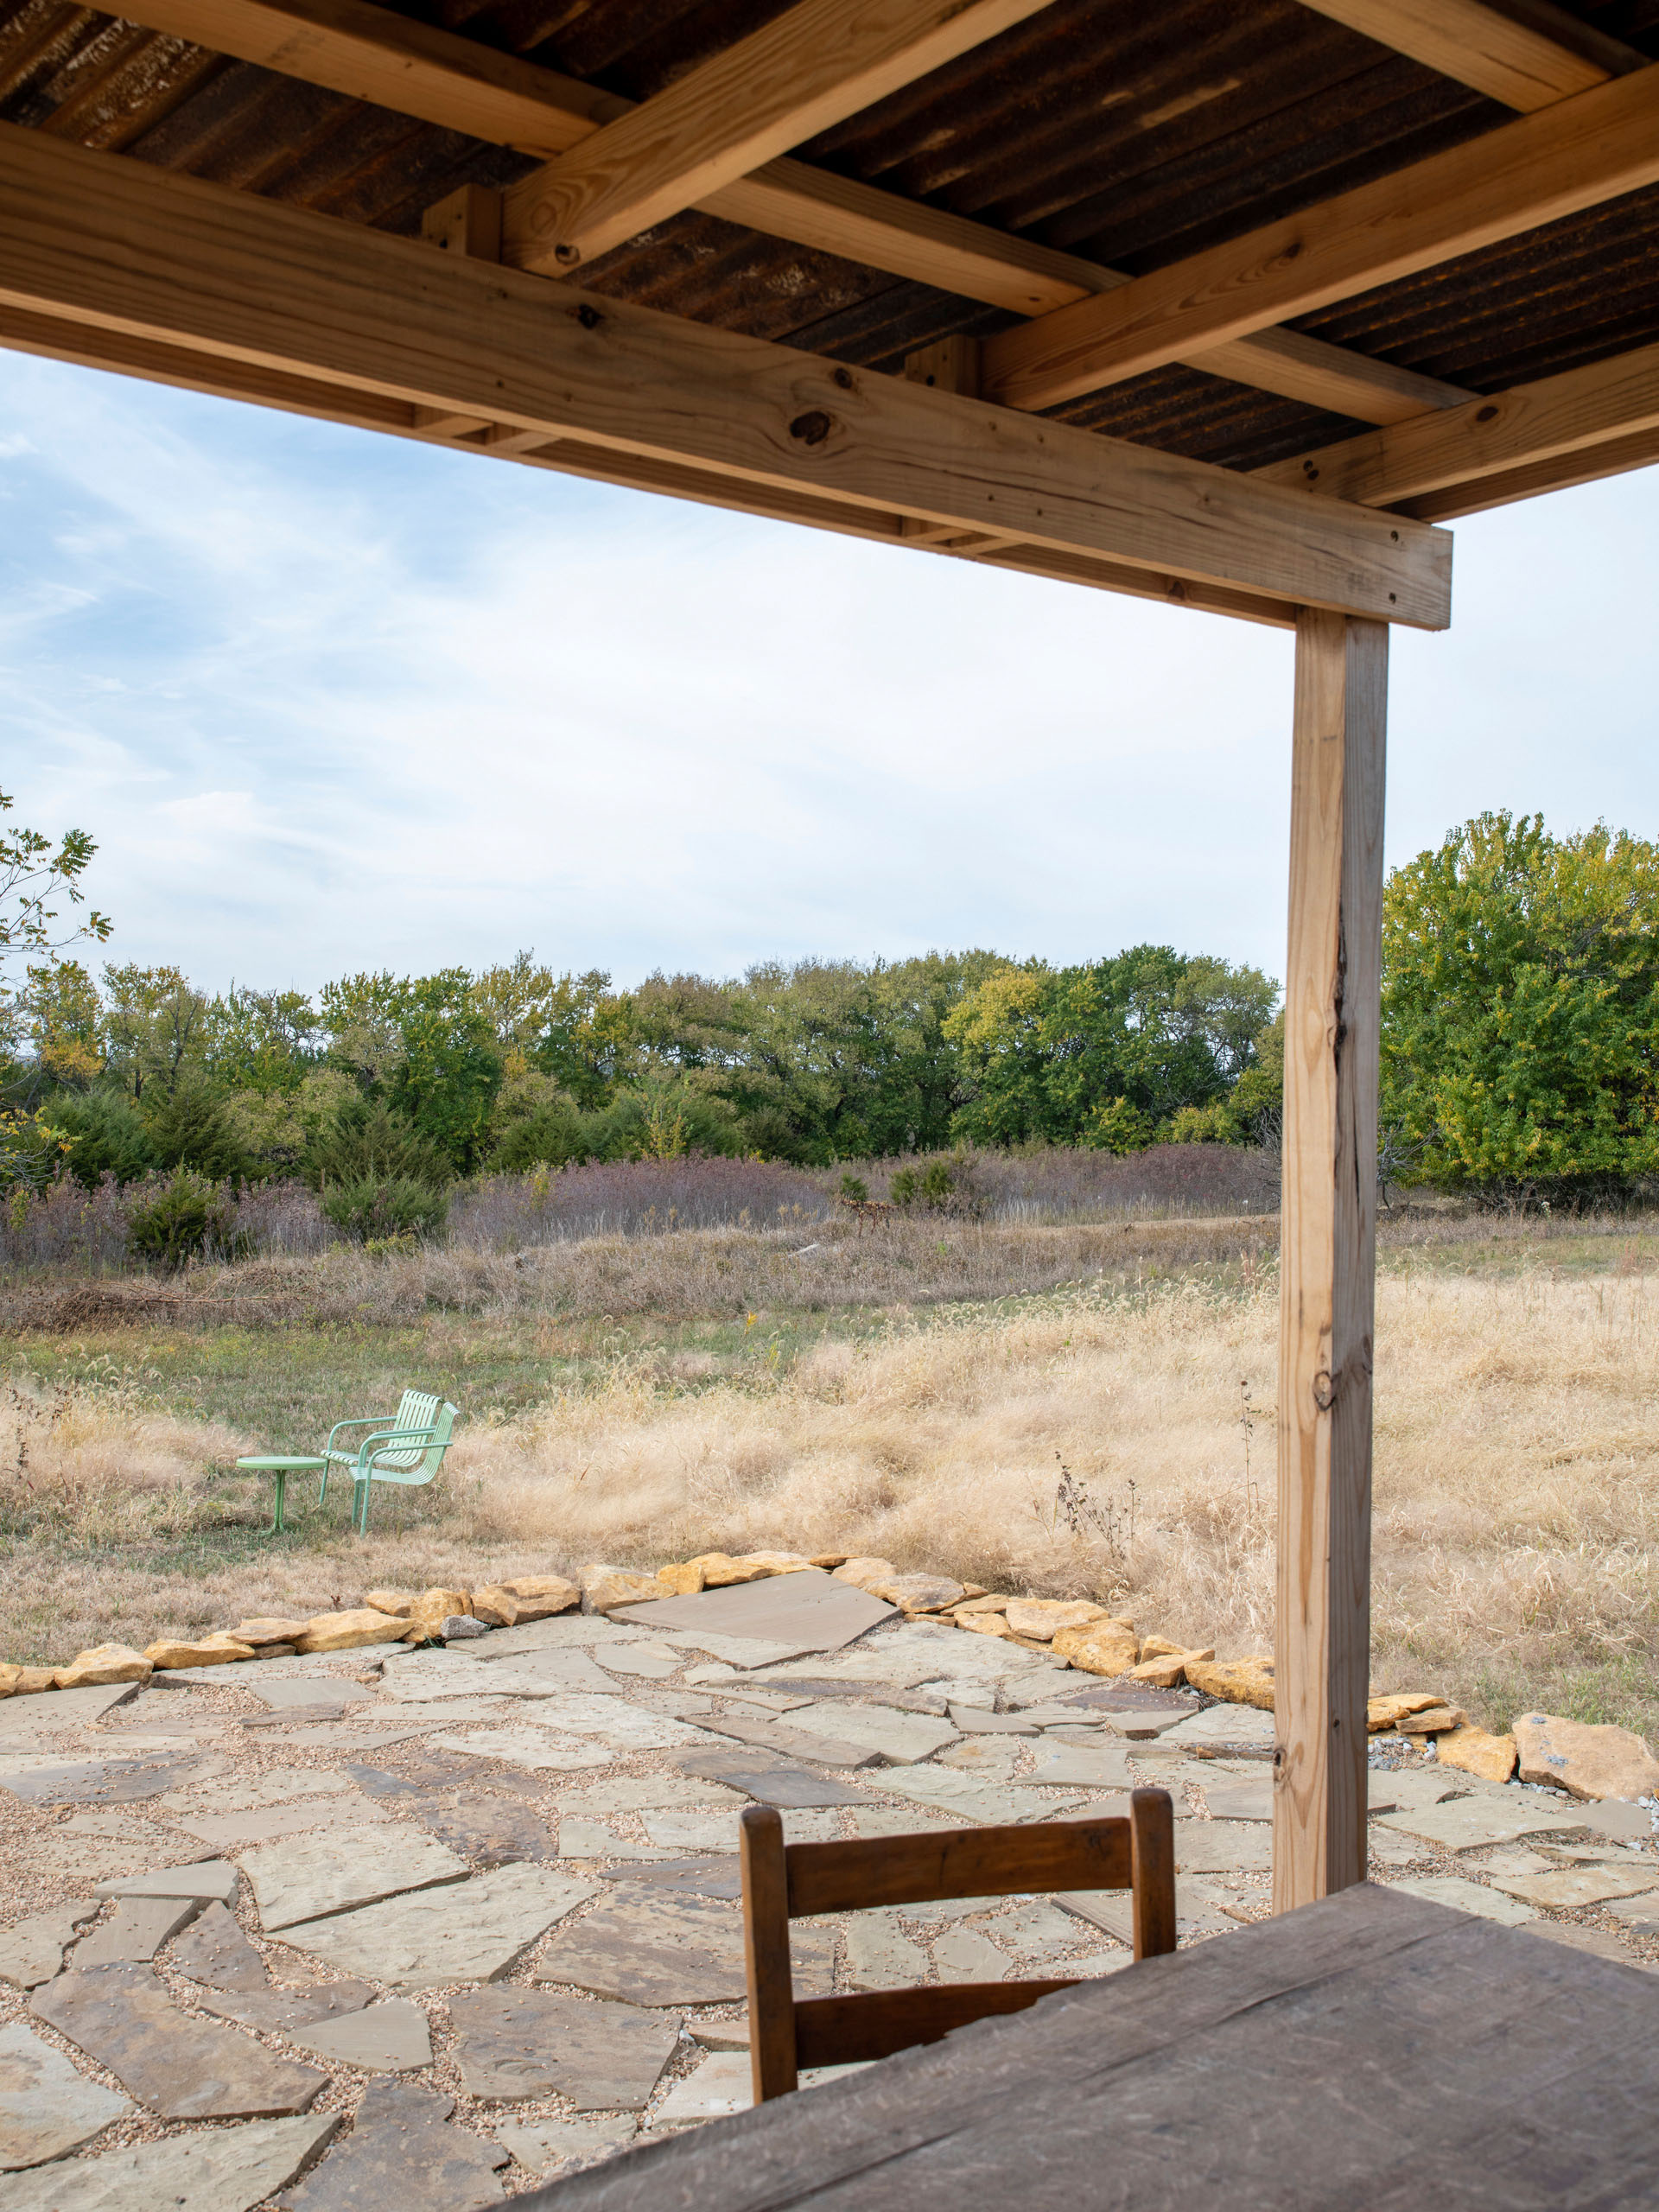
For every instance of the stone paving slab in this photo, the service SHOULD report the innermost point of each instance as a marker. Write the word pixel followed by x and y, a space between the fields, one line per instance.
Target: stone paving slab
pixel 716 1876
pixel 470 1932
pixel 561 1631
pixel 651 1950
pixel 179 2067
pixel 47 2108
pixel 282 1691
pixel 1639 1913
pixel 648 1661
pixel 31 1950
pixel 529 1748
pixel 1566 1888
pixel 770 1781
pixel 723 2084
pixel 1467 1823
pixel 488 1829
pixel 979 1720
pixel 1222 1723
pixel 901 1738
pixel 404 2154
pixel 250 1793
pixel 24 1720
pixel 332 1736
pixel 113 1781
pixel 380 2038
pixel 1596 1941
pixel 1077 1766
pixel 987 1803
pixel 880 1954
pixel 1468 1897
pixel 593 1839
pixel 136 1930
pixel 544 2145
pixel 213 1951
pixel 1036 1931
pixel 1221 1847
pixel 965 1954
pixel 614 1720
pixel 300 1879
pixel 786 1741
pixel 230 1830
pixel 280 2011
pixel 512 2044
pixel 642 1793
pixel 204 1879
pixel 809 1610
pixel 743 1652
pixel 1240 1801
pixel 217 2170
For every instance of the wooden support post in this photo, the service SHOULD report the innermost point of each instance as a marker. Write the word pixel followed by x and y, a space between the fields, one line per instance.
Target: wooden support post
pixel 468 221
pixel 1327 1255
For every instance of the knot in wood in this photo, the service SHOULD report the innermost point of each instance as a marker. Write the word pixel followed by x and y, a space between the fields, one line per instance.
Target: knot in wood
pixel 843 379
pixel 567 255
pixel 589 318
pixel 811 429
pixel 1325 1391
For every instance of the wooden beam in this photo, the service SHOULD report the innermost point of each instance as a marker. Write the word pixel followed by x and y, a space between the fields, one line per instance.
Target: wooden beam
pixel 96 238
pixel 1327 1258
pixel 1512 429
pixel 1527 61
pixel 1570 156
pixel 821 61
pixel 1584 465
pixel 370 52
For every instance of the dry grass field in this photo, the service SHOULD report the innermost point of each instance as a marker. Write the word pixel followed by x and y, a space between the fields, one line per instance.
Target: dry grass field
pixel 925 1412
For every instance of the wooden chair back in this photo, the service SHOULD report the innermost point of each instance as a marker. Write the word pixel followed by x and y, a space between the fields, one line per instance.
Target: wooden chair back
pixel 784 1882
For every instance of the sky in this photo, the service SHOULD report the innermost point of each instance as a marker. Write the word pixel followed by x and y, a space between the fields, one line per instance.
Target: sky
pixel 329 702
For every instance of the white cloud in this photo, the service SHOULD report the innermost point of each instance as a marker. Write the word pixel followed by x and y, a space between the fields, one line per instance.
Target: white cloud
pixel 329 701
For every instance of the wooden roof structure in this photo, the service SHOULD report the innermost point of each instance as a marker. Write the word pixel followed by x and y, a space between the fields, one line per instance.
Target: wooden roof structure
pixel 1228 304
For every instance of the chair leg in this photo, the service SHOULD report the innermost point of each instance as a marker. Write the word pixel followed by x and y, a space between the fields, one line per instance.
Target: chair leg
pixel 1152 1840
pixel 360 1509
pixel 765 1943
pixel 282 1493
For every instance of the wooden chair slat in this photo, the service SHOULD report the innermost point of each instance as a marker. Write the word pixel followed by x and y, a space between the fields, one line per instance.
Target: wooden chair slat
pixel 1152 1829
pixel 773 2063
pixel 959 1862
pixel 836 2031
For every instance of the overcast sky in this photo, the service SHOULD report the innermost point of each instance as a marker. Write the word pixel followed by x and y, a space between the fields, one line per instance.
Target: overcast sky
pixel 329 701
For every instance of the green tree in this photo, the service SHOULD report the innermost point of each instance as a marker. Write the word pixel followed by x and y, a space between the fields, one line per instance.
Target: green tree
pixel 190 1126
pixel 37 880
pixel 1521 1008
pixel 155 1025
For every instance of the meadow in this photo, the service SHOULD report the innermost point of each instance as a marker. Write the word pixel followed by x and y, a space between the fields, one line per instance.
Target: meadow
pixel 1063 1407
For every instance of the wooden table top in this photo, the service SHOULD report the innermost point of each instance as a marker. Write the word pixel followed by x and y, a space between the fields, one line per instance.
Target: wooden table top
pixel 1374 2052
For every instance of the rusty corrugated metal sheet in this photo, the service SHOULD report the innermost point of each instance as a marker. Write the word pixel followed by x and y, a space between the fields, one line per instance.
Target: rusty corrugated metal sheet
pixel 1129 134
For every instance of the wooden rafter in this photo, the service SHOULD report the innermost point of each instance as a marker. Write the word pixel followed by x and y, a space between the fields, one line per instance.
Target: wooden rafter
pixel 1567 157
pixel 1582 465
pixel 1529 425
pixel 823 60
pixel 1527 60
pixel 95 238
pixel 369 53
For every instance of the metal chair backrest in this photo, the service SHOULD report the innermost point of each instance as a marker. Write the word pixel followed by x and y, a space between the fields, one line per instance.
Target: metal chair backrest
pixel 416 1409
pixel 785 1882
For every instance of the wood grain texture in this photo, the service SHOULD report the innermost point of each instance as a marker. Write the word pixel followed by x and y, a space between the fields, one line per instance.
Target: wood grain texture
pixel 1582 465
pixel 1526 64
pixel 765 1944
pixel 94 237
pixel 1485 437
pixel 957 1863
pixel 374 54
pixel 823 60
pixel 1152 1830
pixel 1266 2071
pixel 840 2030
pixel 1327 1240
pixel 1574 155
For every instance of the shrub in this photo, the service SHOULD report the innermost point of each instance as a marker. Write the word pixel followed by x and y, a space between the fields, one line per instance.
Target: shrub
pixel 370 1143
pixel 547 1136
pixel 107 1134
pixel 186 1218
pixel 191 1128
pixel 377 1208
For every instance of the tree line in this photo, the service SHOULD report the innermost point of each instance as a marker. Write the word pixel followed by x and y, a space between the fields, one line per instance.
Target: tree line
pixel 1520 1029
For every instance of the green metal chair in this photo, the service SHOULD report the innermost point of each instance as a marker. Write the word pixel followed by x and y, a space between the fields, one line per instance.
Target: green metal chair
pixel 407 1446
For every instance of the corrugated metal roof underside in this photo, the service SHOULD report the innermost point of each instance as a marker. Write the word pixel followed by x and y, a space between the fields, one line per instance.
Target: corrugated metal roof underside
pixel 1128 135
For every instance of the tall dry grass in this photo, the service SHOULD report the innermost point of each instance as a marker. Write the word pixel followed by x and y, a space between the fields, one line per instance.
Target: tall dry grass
pixel 1515 1515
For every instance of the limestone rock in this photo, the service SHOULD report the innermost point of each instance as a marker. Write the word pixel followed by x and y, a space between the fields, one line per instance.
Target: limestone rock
pixel 212 2170
pixel 683 1580
pixel 471 1932
pixel 264 1632
pixel 1240 1681
pixel 494 1607
pixel 346 1631
pixel 204 1880
pixel 204 1652
pixel 105 1662
pixel 387 2038
pixel 514 2043
pixel 456 1628
pixel 427 1613
pixel 46 2110
pixel 828 1559
pixel 1102 1647
pixel 303 1878
pixel 1040 1617
pixel 396 1602
pixel 1160 1647
pixel 135 1931
pixel 1166 1670
pixel 213 1950
pixel 982 1601
pixel 1433 1721
pixel 985 1623
pixel 26 1681
pixel 920 1594
pixel 539 1596
pixel 605 1587
pixel 865 1574
pixel 1388 1712
pixel 1587 1761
